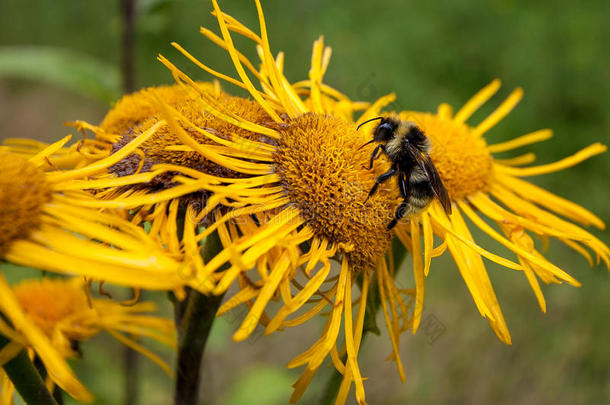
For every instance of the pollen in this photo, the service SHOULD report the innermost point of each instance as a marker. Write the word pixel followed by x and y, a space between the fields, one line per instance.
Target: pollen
pixel 460 156
pixel 23 193
pixel 49 301
pixel 323 170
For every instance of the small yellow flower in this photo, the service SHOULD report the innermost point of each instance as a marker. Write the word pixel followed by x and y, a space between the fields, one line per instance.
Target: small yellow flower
pixel 50 317
pixel 480 185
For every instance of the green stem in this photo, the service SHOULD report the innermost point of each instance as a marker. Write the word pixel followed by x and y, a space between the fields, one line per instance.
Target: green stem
pixel 131 370
pixel 58 395
pixel 26 379
pixel 373 303
pixel 131 361
pixel 197 314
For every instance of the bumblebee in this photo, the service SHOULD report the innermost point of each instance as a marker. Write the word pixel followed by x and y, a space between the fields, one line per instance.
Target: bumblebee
pixel 407 147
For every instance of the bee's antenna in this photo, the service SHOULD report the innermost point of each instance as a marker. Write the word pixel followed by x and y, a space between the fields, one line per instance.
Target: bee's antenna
pixel 371 141
pixel 372 119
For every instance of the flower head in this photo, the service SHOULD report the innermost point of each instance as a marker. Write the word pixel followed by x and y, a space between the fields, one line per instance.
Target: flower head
pixel 300 205
pixel 51 316
pixel 60 227
pixel 282 179
pixel 481 186
pixel 48 221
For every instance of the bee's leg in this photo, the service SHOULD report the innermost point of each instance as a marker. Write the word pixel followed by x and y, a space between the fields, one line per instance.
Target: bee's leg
pixel 380 180
pixel 403 185
pixel 375 154
pixel 400 212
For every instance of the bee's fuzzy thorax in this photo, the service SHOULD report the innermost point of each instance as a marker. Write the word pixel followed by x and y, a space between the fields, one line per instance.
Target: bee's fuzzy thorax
pixel 393 147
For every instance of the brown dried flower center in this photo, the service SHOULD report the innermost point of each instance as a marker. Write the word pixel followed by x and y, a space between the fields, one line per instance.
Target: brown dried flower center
pixel 137 111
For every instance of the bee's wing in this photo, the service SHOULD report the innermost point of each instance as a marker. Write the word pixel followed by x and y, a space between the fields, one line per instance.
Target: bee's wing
pixel 440 192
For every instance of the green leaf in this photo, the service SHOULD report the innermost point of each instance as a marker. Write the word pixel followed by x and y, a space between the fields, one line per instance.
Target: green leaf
pixel 71 70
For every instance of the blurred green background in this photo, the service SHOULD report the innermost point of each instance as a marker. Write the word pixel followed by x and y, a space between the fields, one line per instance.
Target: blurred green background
pixel 59 61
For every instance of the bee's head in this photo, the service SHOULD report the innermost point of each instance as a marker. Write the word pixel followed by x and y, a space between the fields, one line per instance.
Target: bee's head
pixel 385 130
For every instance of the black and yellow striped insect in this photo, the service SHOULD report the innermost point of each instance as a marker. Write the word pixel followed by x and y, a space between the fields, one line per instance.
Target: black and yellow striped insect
pixel 407 147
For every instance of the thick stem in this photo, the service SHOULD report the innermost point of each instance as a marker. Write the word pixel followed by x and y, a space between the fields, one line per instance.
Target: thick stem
pixel 373 303
pixel 198 313
pixel 26 379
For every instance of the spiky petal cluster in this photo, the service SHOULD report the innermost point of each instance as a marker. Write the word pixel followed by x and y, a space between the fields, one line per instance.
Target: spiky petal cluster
pixel 489 191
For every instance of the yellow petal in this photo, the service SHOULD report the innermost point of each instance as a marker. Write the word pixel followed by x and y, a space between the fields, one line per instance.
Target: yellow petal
pixel 480 98
pixel 570 161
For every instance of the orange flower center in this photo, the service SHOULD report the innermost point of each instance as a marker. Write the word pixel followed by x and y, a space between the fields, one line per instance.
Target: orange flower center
pixel 49 301
pixel 324 172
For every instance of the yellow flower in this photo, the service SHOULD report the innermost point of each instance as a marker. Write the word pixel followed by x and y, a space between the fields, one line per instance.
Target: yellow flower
pixel 50 317
pixel 480 185
pixel 282 179
pixel 161 200
pixel 48 222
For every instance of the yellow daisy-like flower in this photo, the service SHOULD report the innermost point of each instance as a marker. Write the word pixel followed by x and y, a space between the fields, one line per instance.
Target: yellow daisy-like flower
pixel 48 221
pixel 475 182
pixel 282 179
pixel 50 316
pixel 161 199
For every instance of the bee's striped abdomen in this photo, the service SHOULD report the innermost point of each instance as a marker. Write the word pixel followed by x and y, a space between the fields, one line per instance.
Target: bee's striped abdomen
pixel 419 193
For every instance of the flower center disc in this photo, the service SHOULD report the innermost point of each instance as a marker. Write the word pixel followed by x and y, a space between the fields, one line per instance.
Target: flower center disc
pixel 155 150
pixel 23 192
pixel 49 301
pixel 461 157
pixel 324 172
pixel 134 114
